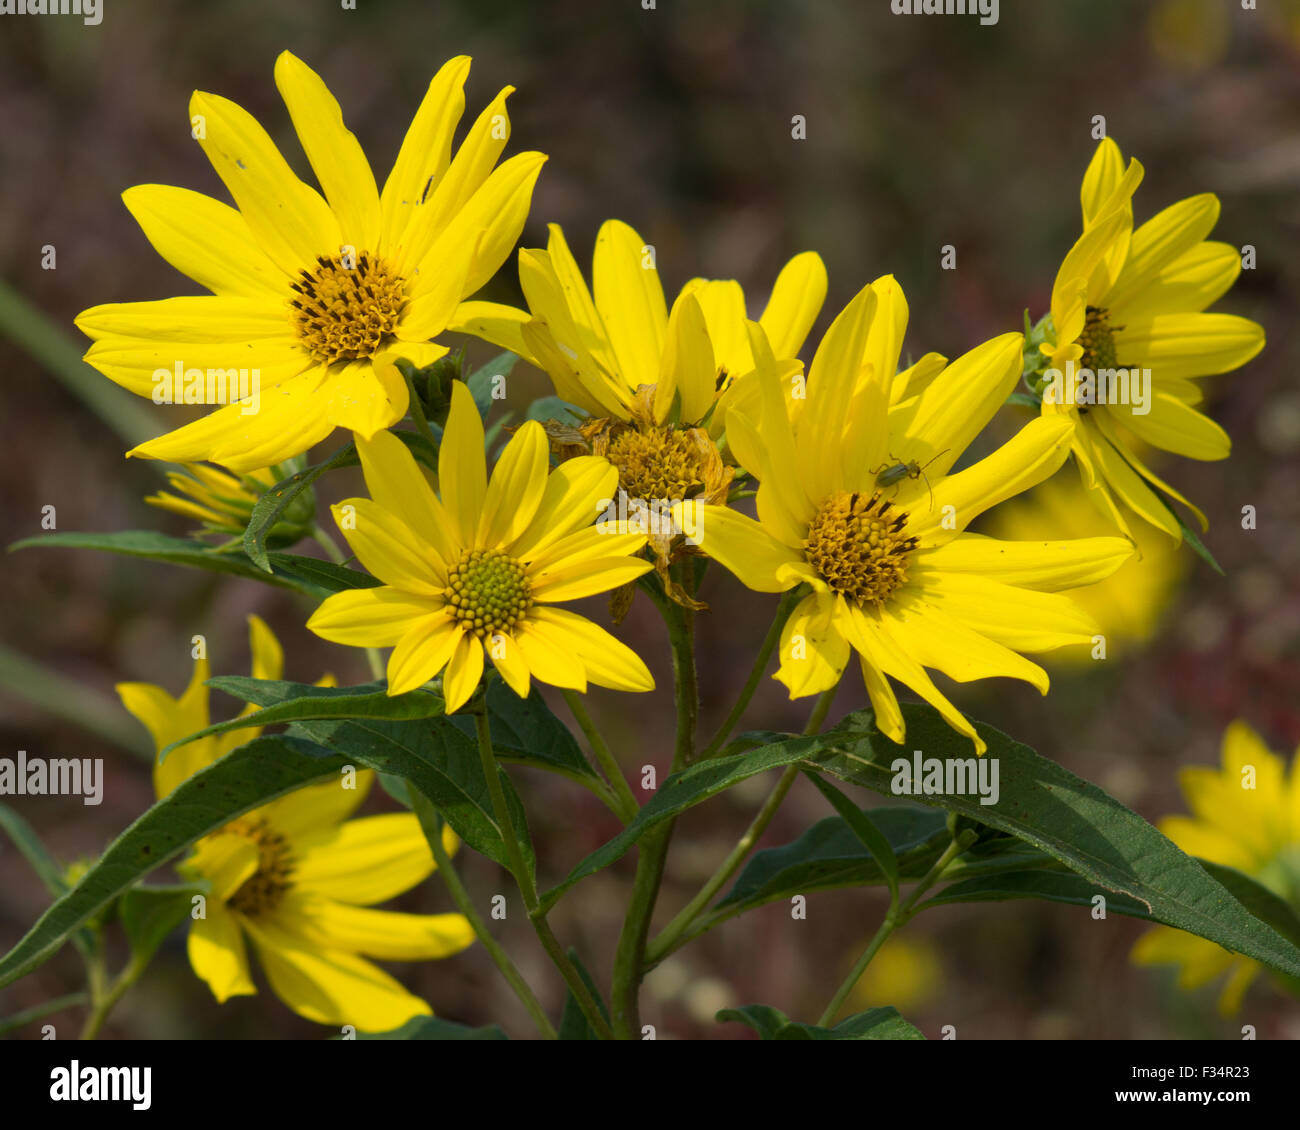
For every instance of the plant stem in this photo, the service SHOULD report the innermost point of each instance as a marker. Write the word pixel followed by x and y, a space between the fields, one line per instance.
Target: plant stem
pixel 895 918
pixel 524 880
pixel 432 824
pixel 417 410
pixel 630 957
pixel 624 801
pixel 102 1002
pixel 36 1012
pixel 666 941
pixel 770 641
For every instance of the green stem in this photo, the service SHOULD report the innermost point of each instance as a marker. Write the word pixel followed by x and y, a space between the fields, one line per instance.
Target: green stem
pixel 668 939
pixel 102 1002
pixel 895 918
pixel 432 825
pixel 756 673
pixel 37 1012
pixel 524 880
pixel 417 409
pixel 630 957
pixel 623 799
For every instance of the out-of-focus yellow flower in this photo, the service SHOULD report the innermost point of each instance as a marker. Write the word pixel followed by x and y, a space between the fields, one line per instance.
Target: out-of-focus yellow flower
pixel 1128 604
pixel 906 973
pixel 1246 815
pixel 1127 303
pixel 298 878
pixel 1190 34
pixel 223 503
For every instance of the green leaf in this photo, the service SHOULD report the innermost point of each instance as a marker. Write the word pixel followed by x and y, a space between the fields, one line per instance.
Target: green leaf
pixel 546 408
pixel 1023 400
pixel 29 845
pixel 480 381
pixel 830 855
pixel 573 1024
pixel 430 753
pixel 1052 886
pixel 301 701
pixel 1075 822
pixel 874 1024
pixel 244 779
pixel 1193 539
pixel 161 547
pixel 865 830
pixel 324 576
pixel 524 730
pixel 435 1028
pixel 149 914
pixel 270 508
pixel 683 790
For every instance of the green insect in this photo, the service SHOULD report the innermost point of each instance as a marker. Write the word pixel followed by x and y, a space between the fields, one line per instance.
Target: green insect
pixel 893 474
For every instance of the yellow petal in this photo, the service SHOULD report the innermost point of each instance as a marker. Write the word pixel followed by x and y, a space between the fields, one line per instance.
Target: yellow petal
pixel 576 493
pixel 389 548
pixel 586 578
pixel 544 648
pixel 232 321
pixel 369 617
pixel 333 151
pixel 797 297
pixel 1189 345
pixel 384 934
pixel 509 660
pixel 630 301
pixel 318 808
pixel 464 669
pixel 1105 171
pixel 609 662
pixel 462 465
pixel 1162 239
pixel 217 955
pixel 516 487
pixel 745 548
pixel 397 485
pixel 289 220
pixel 813 649
pixel 687 367
pixel 1048 566
pixel 207 240
pixel 329 986
pixel 1174 426
pixel 425 649
pixel 1190 284
pixel 366 861
pixel 494 322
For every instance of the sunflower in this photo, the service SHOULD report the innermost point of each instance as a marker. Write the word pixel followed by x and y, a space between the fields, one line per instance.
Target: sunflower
pixel 857 503
pixel 313 297
pixel 223 503
pixel 1132 302
pixel 298 878
pixel 656 384
pixel 1245 815
pixel 1129 604
pixel 480 568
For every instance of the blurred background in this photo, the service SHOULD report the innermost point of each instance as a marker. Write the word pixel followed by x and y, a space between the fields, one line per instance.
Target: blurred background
pixel 920 132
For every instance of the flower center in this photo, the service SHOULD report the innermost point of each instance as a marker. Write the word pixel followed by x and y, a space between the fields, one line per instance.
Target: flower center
pixel 488 591
pixel 263 890
pixel 347 307
pixel 657 463
pixel 858 547
pixel 1098 340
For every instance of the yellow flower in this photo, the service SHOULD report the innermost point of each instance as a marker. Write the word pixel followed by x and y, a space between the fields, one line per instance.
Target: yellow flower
pixel 1246 816
pixel 856 501
pixel 1133 301
pixel 1129 604
pixel 313 297
pixel 656 383
pixel 907 972
pixel 298 878
pixel 223 503
pixel 481 567
pixel 601 345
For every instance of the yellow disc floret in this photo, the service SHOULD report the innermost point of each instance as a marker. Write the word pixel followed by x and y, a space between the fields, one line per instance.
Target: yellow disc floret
pixel 488 591
pixel 858 546
pixel 657 463
pixel 1098 340
pixel 263 890
pixel 347 309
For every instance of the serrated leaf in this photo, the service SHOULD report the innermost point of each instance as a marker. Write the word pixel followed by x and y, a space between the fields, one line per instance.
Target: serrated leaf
pixel 865 830
pixel 322 575
pixel 270 508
